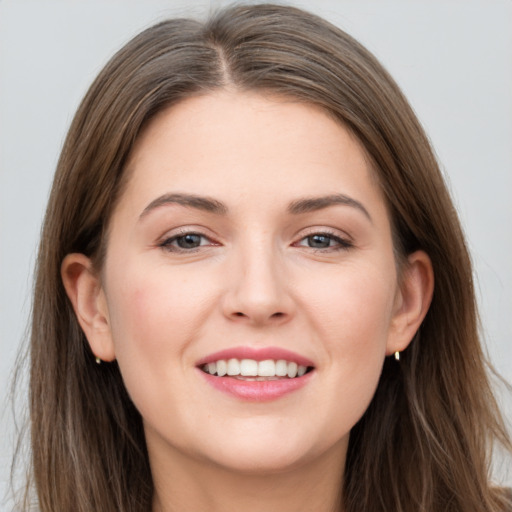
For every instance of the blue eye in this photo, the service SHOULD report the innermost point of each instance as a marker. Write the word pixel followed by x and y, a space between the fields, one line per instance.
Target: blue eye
pixel 322 241
pixel 185 242
pixel 189 241
pixel 319 241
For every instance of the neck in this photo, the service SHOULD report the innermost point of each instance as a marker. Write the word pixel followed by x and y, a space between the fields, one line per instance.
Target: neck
pixel 183 483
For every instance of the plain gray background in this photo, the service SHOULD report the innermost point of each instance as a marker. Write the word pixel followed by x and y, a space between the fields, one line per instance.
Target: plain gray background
pixel 453 60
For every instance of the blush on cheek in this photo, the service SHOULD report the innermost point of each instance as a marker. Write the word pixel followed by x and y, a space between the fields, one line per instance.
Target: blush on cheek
pixel 155 313
pixel 132 317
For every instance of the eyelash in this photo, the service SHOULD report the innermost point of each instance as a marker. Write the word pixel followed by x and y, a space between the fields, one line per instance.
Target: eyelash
pixel 341 243
pixel 167 243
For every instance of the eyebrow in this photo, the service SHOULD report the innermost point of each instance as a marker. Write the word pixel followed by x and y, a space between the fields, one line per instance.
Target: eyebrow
pixel 206 204
pixel 312 204
pixel 297 207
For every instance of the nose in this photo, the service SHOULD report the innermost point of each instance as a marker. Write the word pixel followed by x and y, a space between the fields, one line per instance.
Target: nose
pixel 258 291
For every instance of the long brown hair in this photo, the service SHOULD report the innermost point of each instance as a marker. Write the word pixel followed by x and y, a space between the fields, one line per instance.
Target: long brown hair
pixel 424 443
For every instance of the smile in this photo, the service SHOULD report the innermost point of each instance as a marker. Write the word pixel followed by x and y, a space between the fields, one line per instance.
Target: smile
pixel 256 374
pixel 261 370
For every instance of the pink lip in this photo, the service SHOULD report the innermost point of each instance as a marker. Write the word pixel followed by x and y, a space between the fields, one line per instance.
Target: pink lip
pixel 250 390
pixel 256 391
pixel 258 354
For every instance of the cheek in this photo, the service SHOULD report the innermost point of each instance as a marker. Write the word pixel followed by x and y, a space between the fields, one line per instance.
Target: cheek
pixel 352 307
pixel 353 321
pixel 364 324
pixel 154 314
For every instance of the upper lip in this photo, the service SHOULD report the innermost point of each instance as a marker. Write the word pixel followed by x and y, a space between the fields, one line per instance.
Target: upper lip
pixel 258 354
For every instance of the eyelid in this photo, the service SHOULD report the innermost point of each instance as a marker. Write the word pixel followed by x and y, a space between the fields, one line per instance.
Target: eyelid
pixel 343 239
pixel 166 240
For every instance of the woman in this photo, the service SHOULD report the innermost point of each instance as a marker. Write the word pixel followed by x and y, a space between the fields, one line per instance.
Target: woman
pixel 252 289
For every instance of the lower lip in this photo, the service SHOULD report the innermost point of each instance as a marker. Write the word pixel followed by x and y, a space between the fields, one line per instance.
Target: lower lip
pixel 256 391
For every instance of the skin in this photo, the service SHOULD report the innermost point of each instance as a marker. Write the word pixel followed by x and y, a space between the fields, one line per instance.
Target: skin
pixel 254 281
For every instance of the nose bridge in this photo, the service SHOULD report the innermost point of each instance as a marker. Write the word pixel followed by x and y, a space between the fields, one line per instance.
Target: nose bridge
pixel 258 291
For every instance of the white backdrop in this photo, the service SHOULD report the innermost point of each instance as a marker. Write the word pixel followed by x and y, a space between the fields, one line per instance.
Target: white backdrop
pixel 453 60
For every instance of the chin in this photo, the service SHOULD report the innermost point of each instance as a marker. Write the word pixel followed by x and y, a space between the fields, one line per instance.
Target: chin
pixel 262 461
pixel 270 451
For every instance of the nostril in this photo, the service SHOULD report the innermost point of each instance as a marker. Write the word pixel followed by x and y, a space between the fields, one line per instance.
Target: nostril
pixel 278 315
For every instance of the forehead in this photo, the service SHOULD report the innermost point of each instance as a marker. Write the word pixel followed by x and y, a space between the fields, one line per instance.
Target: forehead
pixel 245 144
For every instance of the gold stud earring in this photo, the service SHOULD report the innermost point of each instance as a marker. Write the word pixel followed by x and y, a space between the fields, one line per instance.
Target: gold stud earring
pixel 397 355
pixel 98 360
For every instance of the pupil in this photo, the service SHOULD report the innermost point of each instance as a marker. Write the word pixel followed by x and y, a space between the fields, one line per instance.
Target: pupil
pixel 189 241
pixel 319 241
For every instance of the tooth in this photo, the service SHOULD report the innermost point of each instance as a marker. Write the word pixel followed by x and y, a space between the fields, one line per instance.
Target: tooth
pixel 292 370
pixel 249 367
pixel 267 368
pixel 233 367
pixel 222 367
pixel 281 368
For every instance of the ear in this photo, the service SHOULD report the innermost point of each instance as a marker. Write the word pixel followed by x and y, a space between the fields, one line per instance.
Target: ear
pixel 86 294
pixel 412 301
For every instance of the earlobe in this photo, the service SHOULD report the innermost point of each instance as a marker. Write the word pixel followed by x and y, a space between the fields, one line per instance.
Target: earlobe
pixel 84 289
pixel 413 300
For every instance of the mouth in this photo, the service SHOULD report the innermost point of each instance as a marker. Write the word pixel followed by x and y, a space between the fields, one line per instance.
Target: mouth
pixel 253 370
pixel 256 374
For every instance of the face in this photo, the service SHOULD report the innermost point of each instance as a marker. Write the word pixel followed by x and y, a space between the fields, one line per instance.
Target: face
pixel 250 239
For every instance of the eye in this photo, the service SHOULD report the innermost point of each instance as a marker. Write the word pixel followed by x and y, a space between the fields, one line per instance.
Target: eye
pixel 323 241
pixel 185 242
